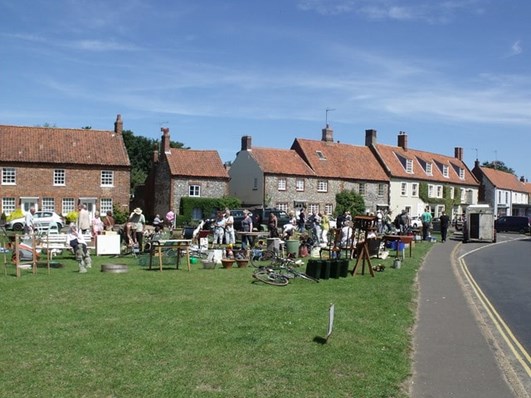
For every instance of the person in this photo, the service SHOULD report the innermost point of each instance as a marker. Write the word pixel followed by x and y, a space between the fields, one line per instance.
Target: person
pixel 170 219
pixel 404 221
pixel 157 223
pixel 325 228
pixel 302 221
pixel 138 220
pixel 341 220
pixel 83 219
pixel 29 222
pixel 426 218
pixel 247 226
pixel 272 225
pixel 445 221
pixel 219 228
pixel 77 242
pixel 388 222
pixel 230 237
pixel 379 221
pixel 108 221
pixel 97 224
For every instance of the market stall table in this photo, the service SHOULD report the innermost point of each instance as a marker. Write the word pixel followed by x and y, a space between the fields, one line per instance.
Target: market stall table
pixel 405 239
pixel 180 245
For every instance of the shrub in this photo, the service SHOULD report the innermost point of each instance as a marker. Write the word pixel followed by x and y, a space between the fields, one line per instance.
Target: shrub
pixel 18 213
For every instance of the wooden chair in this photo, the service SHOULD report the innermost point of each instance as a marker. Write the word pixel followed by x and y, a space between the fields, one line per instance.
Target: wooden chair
pixel 335 249
pixel 27 264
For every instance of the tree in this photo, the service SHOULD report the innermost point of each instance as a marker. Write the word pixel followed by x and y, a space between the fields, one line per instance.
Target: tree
pixel 140 150
pixel 351 201
pixel 498 165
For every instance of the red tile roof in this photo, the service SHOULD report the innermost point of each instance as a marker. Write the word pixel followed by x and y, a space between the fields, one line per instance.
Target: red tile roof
pixel 338 160
pixel 280 161
pixel 196 163
pixel 62 146
pixel 391 156
pixel 503 180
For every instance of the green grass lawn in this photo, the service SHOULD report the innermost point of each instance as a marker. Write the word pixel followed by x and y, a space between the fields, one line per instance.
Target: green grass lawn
pixel 204 333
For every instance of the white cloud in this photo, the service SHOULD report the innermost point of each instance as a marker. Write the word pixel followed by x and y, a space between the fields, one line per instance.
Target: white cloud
pixel 516 48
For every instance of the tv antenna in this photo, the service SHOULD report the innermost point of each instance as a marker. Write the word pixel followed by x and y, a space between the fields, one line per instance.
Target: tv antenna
pixel 326 115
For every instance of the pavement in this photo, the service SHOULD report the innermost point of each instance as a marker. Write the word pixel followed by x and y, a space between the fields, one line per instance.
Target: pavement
pixel 453 355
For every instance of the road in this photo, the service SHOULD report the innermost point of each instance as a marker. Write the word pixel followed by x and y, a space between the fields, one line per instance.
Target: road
pixel 500 276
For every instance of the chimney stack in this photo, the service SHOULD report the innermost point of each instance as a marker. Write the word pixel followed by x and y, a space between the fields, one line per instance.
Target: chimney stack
pixel 118 125
pixel 247 143
pixel 402 140
pixel 165 140
pixel 370 137
pixel 522 179
pixel 328 134
pixel 458 153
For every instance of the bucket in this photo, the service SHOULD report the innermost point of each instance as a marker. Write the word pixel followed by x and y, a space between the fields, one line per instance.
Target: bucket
pixel 397 263
pixel 273 244
pixel 292 247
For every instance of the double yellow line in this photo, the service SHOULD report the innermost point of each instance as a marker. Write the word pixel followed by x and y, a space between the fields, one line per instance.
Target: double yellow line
pixel 512 342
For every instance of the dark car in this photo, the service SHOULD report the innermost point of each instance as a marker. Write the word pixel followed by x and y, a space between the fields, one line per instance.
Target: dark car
pixel 512 224
pixel 238 216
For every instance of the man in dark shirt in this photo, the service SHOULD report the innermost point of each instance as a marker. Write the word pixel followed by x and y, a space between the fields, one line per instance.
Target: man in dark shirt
pixel 445 221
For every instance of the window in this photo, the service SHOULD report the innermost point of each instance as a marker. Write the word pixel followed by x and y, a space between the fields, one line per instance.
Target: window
pixel 299 185
pixel 320 155
pixel 452 192
pixel 445 170
pixel 281 184
pixel 59 177
pixel 313 208
pixel 403 189
pixel 362 189
pixel 381 189
pixel 9 176
pixel 439 191
pixel 430 191
pixel 415 189
pixel 107 178
pixel 409 166
pixel 68 205
pixel 462 173
pixel 8 206
pixel 194 190
pixel 105 205
pixel 282 206
pixel 429 169
pixel 322 186
pixel 329 209
pixel 48 204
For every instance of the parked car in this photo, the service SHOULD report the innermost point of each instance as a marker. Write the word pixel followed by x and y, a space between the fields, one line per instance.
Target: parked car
pixel 40 217
pixel 415 222
pixel 512 224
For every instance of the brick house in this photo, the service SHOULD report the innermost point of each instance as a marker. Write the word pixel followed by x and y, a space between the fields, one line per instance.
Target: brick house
pixel 178 173
pixel 420 179
pixel 309 175
pixel 507 195
pixel 56 169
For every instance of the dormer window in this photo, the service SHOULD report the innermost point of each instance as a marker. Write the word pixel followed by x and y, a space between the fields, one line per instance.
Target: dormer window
pixel 320 155
pixel 462 173
pixel 429 169
pixel 445 171
pixel 409 166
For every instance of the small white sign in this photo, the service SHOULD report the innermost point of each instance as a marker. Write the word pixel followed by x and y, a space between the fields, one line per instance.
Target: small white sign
pixel 331 311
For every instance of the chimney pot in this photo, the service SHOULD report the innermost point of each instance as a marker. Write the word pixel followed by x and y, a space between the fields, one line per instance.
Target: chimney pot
pixel 370 137
pixel 118 125
pixel 458 153
pixel 402 140
pixel 247 143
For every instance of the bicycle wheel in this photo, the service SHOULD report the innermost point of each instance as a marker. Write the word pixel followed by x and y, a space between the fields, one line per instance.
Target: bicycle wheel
pixel 260 258
pixel 271 278
pixel 302 275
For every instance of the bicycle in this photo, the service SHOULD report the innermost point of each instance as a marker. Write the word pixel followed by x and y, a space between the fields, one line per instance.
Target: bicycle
pixel 280 270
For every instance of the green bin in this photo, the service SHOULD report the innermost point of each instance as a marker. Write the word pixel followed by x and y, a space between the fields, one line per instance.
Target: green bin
pixel 292 247
pixel 313 268
pixel 334 269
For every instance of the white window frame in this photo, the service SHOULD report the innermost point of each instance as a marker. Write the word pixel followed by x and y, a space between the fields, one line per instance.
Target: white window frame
pixel 415 189
pixel 282 206
pixel 403 189
pixel 9 176
pixel 409 166
pixel 9 205
pixel 282 184
pixel 445 171
pixel 48 204
pixel 452 192
pixel 431 189
pixel 329 209
pixel 107 178
pixel 59 177
pixel 299 185
pixel 68 205
pixel 313 208
pixel 194 191
pixel 429 168
pixel 381 189
pixel 461 173
pixel 322 186
pixel 440 191
pixel 106 205
pixel 362 188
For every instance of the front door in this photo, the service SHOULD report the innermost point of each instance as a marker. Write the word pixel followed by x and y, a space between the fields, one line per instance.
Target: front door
pixel 27 203
pixel 91 205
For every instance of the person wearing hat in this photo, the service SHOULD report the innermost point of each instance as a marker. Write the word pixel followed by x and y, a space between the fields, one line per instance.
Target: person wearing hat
pixel 138 221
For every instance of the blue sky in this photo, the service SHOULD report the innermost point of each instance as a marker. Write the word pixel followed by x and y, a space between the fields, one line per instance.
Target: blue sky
pixel 449 73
